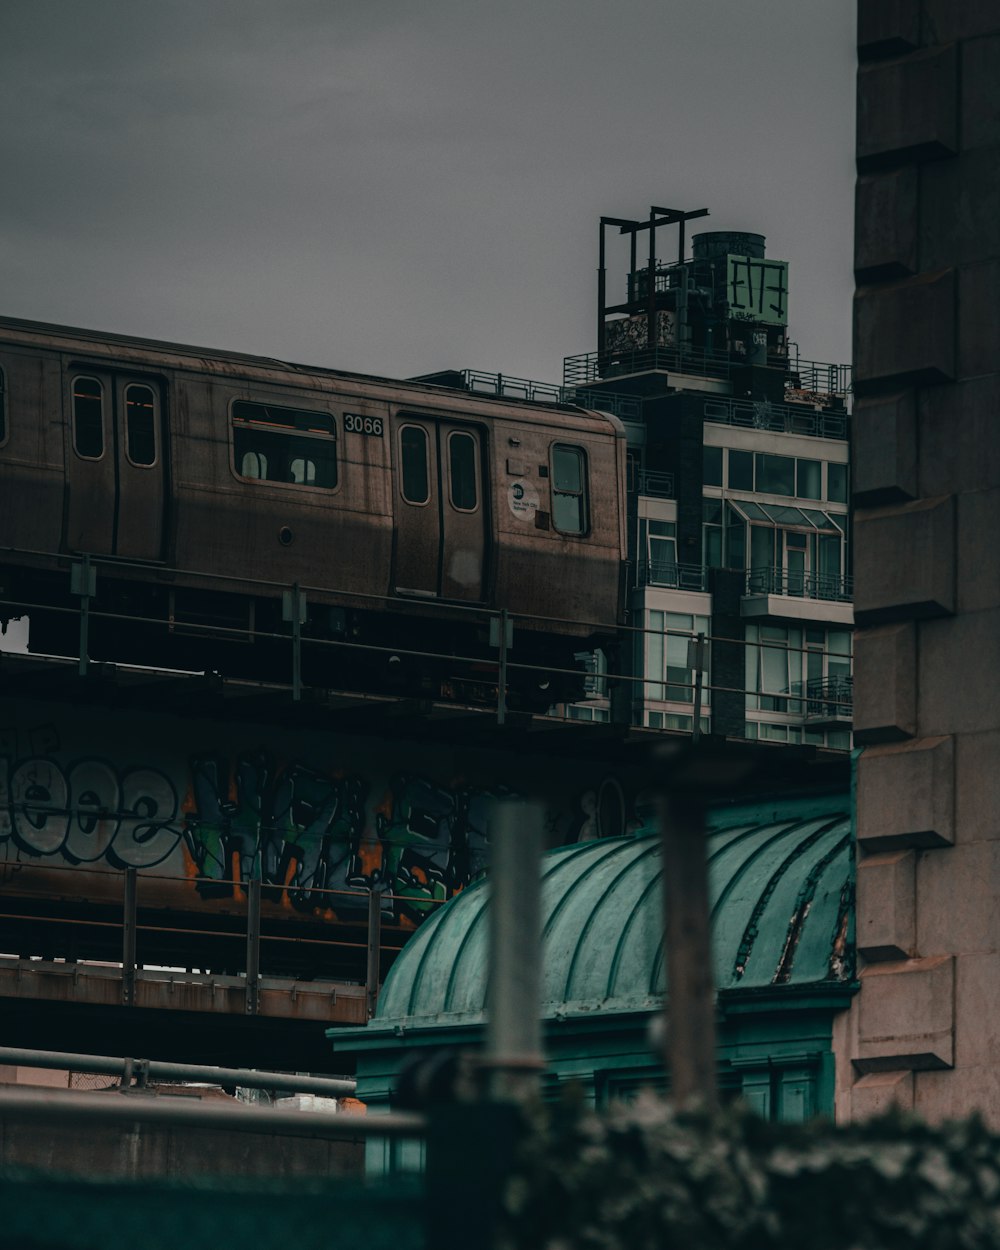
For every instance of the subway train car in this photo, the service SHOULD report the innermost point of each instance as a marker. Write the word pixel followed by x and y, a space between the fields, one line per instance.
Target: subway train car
pixel 182 495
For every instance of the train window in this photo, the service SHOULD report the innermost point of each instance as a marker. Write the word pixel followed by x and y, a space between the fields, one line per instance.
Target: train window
pixel 462 471
pixel 292 445
pixel 140 425
pixel 253 464
pixel 569 490
pixel 303 471
pixel 413 456
pixel 88 418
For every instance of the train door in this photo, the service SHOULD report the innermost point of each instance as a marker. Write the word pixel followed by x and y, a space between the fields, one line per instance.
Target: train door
pixel 442 533
pixel 116 466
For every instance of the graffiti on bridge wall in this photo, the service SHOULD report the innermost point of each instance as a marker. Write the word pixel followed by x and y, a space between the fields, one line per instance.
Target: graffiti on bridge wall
pixel 88 811
pixel 301 832
pixel 318 841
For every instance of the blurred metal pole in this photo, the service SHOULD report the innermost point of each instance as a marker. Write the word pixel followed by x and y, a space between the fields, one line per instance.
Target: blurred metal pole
pixel 514 1031
pixel 690 1003
pixel 373 967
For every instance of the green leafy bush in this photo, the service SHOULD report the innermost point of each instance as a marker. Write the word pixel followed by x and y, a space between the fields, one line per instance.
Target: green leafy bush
pixel 643 1176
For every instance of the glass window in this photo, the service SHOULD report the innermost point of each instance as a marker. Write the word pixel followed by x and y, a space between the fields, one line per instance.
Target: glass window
pixel 462 471
pixel 253 464
pixel 836 483
pixel 654 666
pixel 289 445
pixel 3 407
pixel 736 540
pixel 740 470
pixel 304 422
pixel 569 490
pixel 712 462
pixel 140 425
pixel 712 533
pixel 303 472
pixel 807 479
pixel 775 475
pixel 662 552
pixel 761 547
pixel 681 630
pixel 88 418
pixel 413 455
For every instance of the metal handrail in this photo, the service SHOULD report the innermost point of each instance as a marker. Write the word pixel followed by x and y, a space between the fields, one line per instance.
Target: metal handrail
pixel 765 580
pixel 156 1070
pixel 781 418
pixel 132 1108
pixel 814 376
pixel 659 485
pixel 481 382
pixel 589 367
pixel 670 574
pixel 830 695
pixel 819 376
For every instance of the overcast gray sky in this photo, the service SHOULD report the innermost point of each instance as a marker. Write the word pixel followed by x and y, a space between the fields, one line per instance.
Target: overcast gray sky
pixel 395 187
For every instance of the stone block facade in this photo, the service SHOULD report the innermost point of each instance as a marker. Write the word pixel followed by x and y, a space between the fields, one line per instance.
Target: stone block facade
pixel 924 1030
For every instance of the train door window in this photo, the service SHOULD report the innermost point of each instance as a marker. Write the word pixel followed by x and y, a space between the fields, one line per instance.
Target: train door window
pixel 569 489
pixel 462 471
pixel 290 445
pixel 88 418
pixel 140 425
pixel 413 458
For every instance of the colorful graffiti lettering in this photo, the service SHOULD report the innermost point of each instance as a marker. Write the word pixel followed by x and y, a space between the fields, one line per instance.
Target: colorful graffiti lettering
pixel 318 841
pixel 436 841
pixel 294 828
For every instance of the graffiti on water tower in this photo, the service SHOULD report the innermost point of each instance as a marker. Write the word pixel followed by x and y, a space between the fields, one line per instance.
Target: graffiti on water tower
pixel 319 839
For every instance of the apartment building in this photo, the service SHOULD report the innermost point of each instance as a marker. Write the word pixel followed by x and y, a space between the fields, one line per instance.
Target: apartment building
pixel 739 454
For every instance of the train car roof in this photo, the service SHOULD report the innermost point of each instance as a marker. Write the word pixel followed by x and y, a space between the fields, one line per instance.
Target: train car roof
pixel 204 355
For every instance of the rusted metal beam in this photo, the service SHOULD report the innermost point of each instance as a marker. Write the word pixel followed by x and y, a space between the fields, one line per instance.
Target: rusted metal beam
pixel 253 946
pixel 129 910
pixel 374 964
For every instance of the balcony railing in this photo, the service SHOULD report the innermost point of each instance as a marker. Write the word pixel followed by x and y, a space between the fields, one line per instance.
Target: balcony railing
pixel 659 485
pixel 783 418
pixel 672 575
pixel 773 581
pixel 830 698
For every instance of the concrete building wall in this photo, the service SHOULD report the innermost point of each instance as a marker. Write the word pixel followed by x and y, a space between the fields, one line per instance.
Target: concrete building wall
pixel 925 1029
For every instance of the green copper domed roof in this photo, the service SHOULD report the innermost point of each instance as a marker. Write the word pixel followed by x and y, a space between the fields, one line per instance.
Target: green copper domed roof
pixel 781 904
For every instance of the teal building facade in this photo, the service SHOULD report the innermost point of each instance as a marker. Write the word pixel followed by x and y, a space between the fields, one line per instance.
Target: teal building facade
pixel 781 880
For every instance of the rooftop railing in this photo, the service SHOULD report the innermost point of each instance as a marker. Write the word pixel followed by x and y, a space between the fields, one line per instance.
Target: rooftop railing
pixel 814 377
pixel 590 367
pixel 782 418
pixel 628 407
pixel 817 376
